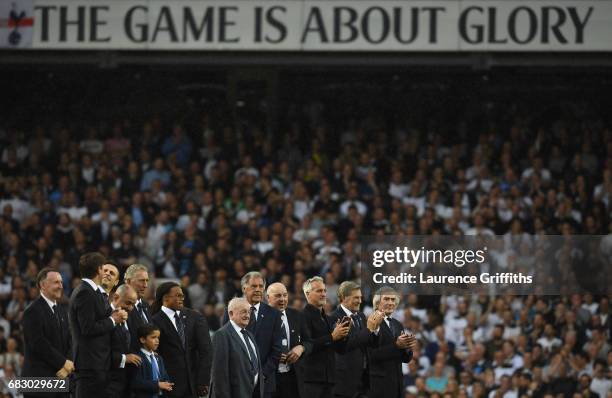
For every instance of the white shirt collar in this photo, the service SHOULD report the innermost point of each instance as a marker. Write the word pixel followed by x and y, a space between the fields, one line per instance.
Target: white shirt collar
pixel 146 352
pixel 256 306
pixel 51 303
pixel 170 312
pixel 237 328
pixel 346 310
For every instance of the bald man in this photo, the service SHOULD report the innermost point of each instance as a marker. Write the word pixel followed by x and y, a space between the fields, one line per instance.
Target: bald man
pixel 293 341
pixel 124 298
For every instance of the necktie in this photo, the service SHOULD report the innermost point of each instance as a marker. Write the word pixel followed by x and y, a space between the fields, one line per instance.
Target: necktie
pixel 391 328
pixel 252 321
pixel 356 321
pixel 58 321
pixel 284 334
pixel 105 300
pixel 154 367
pixel 180 328
pixel 252 356
pixel 140 308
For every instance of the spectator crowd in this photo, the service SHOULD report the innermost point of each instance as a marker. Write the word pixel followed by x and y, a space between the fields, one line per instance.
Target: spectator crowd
pixel 206 202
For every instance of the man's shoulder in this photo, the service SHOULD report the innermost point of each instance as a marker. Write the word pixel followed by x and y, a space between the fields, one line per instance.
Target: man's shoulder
pixel 34 306
pixel 269 311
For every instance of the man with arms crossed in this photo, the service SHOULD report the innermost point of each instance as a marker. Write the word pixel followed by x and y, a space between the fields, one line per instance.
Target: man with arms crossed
pixel 46 333
pixel 236 368
pixel 91 324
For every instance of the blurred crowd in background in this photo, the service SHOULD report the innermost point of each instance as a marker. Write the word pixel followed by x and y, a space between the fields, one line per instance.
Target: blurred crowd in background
pixel 204 200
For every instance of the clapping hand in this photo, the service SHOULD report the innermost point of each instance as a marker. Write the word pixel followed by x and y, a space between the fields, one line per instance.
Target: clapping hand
pixel 375 319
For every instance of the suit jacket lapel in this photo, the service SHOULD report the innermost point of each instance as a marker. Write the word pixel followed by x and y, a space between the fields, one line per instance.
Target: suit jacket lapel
pixel 237 339
pixel 170 326
pixel 386 329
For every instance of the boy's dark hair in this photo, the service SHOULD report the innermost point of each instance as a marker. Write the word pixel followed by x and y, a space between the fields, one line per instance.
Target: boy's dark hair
pixel 146 329
pixel 89 264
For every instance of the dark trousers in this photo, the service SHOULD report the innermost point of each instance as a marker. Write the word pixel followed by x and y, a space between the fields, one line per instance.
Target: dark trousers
pixel 286 385
pixel 316 390
pixel 91 384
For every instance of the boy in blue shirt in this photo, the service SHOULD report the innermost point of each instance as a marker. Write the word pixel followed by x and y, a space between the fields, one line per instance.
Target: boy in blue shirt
pixel 151 378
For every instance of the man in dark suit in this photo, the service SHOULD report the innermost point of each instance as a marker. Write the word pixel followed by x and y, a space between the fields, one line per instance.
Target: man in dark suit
pixel 184 342
pixel 394 348
pixel 137 276
pixel 91 324
pixel 294 346
pixel 118 383
pixel 45 333
pixel 317 370
pixel 352 364
pixel 265 324
pixel 237 367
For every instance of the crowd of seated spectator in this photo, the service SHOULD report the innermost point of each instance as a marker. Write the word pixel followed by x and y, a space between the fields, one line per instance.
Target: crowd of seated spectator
pixel 206 202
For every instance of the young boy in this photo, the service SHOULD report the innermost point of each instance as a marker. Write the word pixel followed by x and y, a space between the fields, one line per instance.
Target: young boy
pixel 151 378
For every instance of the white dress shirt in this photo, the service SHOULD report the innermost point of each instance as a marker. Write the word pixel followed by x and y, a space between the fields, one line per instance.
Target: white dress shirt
pixel 238 330
pixel 170 314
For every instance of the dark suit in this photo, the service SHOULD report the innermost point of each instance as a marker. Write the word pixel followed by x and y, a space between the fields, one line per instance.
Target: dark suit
pixel 187 366
pixel 118 377
pixel 268 337
pixel 91 329
pixel 47 342
pixel 352 371
pixel 386 379
pixel 232 372
pixel 317 370
pixel 134 321
pixel 143 385
pixel 287 383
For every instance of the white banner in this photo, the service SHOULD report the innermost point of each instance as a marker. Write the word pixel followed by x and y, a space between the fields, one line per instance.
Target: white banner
pixel 270 25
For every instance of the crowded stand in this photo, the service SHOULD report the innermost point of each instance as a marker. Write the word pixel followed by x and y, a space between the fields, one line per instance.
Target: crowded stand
pixel 207 195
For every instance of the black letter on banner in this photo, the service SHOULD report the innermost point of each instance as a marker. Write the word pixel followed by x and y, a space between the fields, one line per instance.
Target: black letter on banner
pixel 350 24
pixel 397 24
pixel 493 27
pixel 94 22
pixel 258 24
pixel 533 25
pixel 166 16
pixel 365 25
pixel 315 14
pixel 224 23
pixel 144 28
pixel 463 28
pixel 554 27
pixel 276 23
pixel 44 28
pixel 79 22
pixel 433 22
pixel 189 24
pixel 578 23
